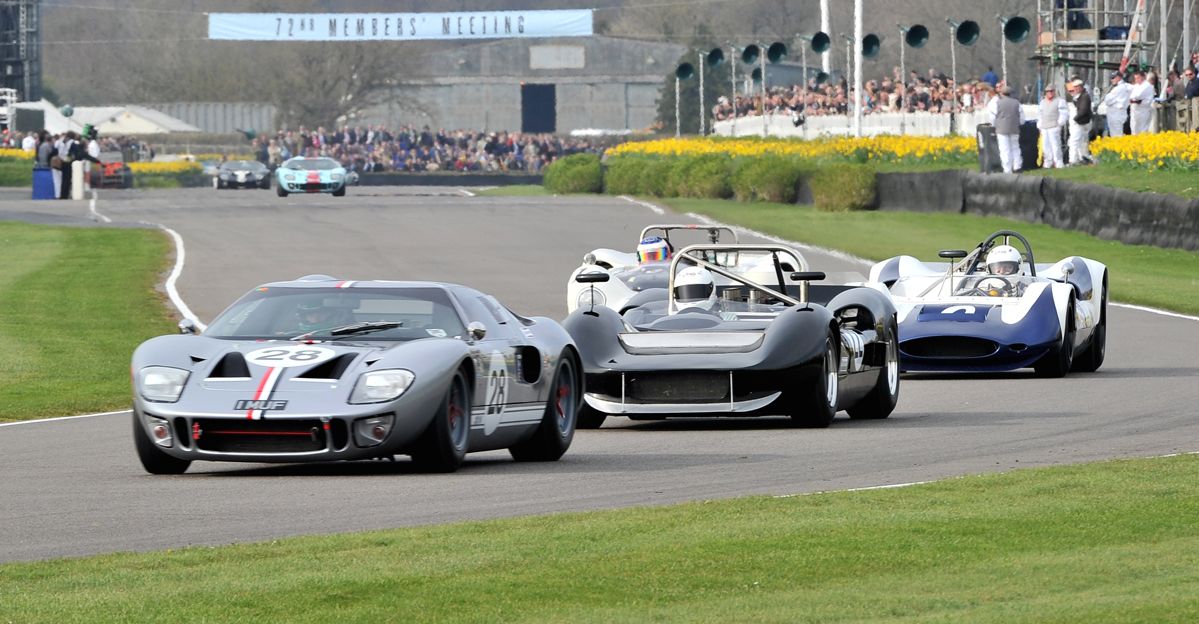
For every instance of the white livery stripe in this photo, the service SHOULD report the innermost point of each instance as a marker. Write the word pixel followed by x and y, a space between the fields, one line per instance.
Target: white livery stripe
pixel 269 381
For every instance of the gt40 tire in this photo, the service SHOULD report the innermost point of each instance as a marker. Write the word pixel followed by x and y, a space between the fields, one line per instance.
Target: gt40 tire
pixel 341 192
pixel 881 400
pixel 280 192
pixel 442 446
pixel 557 428
pixel 153 459
pixel 814 404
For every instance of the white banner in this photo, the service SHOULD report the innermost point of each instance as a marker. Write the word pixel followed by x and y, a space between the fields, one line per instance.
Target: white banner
pixel 397 26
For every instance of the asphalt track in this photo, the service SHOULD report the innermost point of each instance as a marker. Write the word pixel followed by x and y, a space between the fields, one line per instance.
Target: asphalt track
pixel 74 487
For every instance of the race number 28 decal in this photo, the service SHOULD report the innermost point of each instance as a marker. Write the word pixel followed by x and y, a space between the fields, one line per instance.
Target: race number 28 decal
pixel 289 356
pixel 497 392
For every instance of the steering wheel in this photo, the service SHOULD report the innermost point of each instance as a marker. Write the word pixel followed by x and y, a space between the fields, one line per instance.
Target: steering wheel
pixel 992 286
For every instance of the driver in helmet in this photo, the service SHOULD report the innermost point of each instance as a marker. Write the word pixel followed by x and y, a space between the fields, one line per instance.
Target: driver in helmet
pixel 1003 260
pixel 695 288
pixel 315 315
pixel 653 249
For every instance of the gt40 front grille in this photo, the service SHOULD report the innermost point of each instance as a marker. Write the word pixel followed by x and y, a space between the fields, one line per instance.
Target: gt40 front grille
pixel 266 436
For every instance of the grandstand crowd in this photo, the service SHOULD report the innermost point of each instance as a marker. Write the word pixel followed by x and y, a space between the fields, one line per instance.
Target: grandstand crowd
pixel 407 148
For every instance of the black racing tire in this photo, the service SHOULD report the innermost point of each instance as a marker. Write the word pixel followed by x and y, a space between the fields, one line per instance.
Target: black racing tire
pixel 280 192
pixel 153 459
pixel 1057 362
pixel 341 192
pixel 813 404
pixel 589 417
pixel 881 400
pixel 557 429
pixel 1091 358
pixel 442 447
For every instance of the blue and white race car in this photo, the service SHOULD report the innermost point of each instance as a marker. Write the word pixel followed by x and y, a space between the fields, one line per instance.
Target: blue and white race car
pixel 310 175
pixel 994 309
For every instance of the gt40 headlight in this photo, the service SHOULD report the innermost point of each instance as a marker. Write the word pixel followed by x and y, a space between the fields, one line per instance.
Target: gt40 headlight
pixel 224 175
pixel 161 384
pixel 335 176
pixel 586 297
pixel 289 177
pixel 381 386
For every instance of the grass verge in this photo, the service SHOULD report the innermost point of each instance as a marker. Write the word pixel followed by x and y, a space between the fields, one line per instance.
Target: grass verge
pixel 74 303
pixel 1173 182
pixel 1107 542
pixel 16 173
pixel 515 190
pixel 1138 274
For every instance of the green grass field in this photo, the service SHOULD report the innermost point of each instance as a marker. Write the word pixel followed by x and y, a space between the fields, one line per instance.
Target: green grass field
pixel 1173 182
pixel 515 190
pixel 74 303
pixel 1139 274
pixel 1109 542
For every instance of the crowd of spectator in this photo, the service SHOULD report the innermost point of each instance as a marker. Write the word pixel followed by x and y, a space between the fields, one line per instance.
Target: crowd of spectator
pixel 377 149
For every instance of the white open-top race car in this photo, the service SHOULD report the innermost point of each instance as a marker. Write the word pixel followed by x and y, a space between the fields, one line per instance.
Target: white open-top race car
pixel 995 309
pixel 634 273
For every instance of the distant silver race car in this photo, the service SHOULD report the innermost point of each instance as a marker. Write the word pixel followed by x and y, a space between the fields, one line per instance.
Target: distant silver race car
pixel 321 369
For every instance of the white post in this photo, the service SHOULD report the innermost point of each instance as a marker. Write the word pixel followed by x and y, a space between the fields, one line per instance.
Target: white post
pixel 1162 53
pixel 953 64
pixel 77 179
pixel 857 68
pixel 848 84
pixel 733 68
pixel 702 115
pixel 762 64
pixel 903 83
pixel 1002 57
pixel 677 124
pixel 825 57
pixel 1186 30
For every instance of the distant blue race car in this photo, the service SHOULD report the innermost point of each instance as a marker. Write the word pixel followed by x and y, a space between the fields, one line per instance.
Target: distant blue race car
pixel 310 175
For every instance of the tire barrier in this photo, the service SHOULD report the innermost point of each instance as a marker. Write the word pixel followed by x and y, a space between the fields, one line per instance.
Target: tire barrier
pixel 1111 214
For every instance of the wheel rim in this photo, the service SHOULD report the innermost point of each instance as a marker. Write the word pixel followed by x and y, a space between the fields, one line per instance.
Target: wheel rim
pixel 456 411
pixel 830 375
pixel 564 401
pixel 892 366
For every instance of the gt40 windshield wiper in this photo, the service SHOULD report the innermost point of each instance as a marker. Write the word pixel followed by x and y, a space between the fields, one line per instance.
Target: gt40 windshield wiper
pixel 355 329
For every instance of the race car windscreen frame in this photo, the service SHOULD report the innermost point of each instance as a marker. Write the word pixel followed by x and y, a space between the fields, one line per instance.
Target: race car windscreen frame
pixel 313 164
pixel 281 313
pixel 782 261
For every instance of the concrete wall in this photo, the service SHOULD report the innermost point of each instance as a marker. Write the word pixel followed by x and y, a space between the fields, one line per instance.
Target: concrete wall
pixel 1107 213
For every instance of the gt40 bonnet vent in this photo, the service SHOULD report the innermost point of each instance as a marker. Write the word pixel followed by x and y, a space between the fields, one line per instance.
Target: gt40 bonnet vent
pixel 333 369
pixel 233 365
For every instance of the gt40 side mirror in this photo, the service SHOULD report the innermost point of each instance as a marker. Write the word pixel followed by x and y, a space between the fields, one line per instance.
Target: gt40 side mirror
pixel 188 327
pixel 592 277
pixel 476 330
pixel 952 254
pixel 807 276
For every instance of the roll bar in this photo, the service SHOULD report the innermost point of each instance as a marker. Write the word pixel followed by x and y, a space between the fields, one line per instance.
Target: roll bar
pixel 693 255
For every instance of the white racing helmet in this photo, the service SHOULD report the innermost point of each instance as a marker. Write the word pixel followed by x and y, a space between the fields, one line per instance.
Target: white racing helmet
pixel 1003 260
pixel 694 288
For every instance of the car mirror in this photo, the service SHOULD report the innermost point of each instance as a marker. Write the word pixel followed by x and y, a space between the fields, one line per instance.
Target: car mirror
pixel 592 277
pixel 807 276
pixel 476 330
pixel 188 327
pixel 952 254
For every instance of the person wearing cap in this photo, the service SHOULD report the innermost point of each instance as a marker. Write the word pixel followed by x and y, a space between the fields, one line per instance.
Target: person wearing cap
pixel 1007 115
pixel 1141 97
pixel 1080 123
pixel 1052 115
pixel 1116 101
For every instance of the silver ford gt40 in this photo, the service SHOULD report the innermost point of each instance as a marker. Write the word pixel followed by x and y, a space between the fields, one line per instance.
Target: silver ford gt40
pixel 320 369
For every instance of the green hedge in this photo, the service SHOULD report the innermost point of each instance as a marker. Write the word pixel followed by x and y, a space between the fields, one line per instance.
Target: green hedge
pixel 835 186
pixel 577 173
pixel 16 173
pixel 844 187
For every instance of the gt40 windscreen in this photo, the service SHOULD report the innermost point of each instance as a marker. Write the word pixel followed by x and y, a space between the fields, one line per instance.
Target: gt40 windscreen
pixel 334 313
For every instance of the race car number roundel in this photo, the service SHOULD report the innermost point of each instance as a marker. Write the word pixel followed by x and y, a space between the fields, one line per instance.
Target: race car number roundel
pixel 497 392
pixel 287 356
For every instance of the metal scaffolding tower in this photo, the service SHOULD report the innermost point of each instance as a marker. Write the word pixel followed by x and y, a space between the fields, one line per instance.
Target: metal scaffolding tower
pixel 21 47
pixel 1074 36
